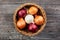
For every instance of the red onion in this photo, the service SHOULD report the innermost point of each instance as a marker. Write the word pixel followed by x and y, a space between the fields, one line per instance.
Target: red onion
pixel 32 27
pixel 22 12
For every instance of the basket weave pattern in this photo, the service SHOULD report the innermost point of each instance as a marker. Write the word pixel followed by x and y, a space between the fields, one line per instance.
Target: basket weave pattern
pixel 42 12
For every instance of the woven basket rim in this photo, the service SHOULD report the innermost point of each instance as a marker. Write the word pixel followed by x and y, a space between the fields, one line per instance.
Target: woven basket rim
pixel 42 27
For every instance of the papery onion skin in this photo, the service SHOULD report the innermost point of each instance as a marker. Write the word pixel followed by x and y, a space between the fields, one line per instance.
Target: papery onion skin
pixel 32 27
pixel 21 23
pixel 39 20
pixel 33 10
pixel 29 19
pixel 22 12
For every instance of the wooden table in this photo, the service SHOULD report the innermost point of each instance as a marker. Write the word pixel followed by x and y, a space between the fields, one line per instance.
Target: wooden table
pixel 51 31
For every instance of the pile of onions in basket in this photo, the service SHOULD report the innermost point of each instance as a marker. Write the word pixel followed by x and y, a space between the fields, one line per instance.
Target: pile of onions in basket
pixel 31 18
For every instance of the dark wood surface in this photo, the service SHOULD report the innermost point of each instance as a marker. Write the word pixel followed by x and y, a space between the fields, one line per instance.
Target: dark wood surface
pixel 51 31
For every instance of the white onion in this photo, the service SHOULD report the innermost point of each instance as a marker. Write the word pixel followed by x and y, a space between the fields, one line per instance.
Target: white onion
pixel 29 19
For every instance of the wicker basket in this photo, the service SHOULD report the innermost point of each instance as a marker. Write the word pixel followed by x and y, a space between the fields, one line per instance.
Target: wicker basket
pixel 29 33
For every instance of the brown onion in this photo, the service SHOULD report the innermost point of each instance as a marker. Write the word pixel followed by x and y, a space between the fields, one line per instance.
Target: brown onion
pixel 33 10
pixel 39 20
pixel 21 23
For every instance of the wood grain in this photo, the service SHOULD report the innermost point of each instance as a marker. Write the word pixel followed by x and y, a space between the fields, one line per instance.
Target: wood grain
pixel 51 31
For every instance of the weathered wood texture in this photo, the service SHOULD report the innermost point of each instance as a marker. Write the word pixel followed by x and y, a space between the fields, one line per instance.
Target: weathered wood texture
pixel 51 31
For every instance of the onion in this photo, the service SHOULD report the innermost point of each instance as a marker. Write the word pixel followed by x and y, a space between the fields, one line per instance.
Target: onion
pixel 32 27
pixel 33 10
pixel 39 20
pixel 21 23
pixel 29 19
pixel 22 12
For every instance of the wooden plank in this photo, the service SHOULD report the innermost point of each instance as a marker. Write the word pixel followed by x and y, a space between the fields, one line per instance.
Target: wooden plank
pixel 51 31
pixel 30 1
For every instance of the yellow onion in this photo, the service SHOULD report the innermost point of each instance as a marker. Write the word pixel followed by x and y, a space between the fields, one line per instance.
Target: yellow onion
pixel 21 23
pixel 39 20
pixel 33 10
